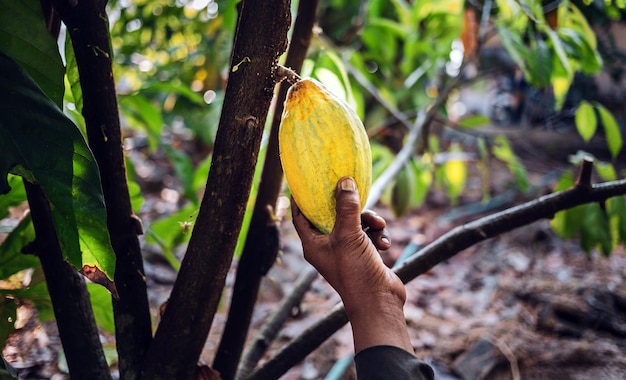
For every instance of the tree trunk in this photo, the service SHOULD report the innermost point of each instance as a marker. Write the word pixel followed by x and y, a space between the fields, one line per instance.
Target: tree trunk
pixel 68 293
pixel 260 39
pixel 262 242
pixel 88 27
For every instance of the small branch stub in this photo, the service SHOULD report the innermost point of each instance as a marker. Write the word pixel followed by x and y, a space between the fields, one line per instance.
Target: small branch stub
pixel 584 175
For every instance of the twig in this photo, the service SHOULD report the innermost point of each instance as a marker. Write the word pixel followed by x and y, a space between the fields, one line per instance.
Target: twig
pixel 440 250
pixel 270 329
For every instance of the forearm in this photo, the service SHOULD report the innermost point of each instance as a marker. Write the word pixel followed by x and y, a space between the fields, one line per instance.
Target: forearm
pixel 379 321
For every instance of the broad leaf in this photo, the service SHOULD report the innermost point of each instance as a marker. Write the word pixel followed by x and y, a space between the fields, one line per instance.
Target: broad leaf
pixel 611 130
pixel 24 37
pixel 42 145
pixel 586 121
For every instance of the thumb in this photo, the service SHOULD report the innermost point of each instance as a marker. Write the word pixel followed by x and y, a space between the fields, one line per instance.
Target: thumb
pixel 348 220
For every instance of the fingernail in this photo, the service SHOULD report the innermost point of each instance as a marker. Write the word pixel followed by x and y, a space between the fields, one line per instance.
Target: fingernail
pixel 347 184
pixel 385 240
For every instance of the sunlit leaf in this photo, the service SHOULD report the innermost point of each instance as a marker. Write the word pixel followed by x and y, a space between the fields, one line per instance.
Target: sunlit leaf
pixel 605 170
pixel 42 145
pixel 611 130
pixel 586 121
pixel 474 121
pixel 102 307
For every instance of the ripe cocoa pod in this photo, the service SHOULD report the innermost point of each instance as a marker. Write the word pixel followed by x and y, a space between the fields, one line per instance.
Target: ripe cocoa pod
pixel 321 139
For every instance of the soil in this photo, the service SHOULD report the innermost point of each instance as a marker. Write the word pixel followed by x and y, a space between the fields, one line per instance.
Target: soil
pixel 524 305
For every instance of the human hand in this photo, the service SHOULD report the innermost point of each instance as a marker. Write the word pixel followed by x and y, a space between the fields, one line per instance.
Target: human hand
pixel 348 259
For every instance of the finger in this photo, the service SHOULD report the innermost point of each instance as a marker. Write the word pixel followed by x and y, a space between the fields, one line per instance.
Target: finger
pixel 304 228
pixel 380 238
pixel 371 220
pixel 348 220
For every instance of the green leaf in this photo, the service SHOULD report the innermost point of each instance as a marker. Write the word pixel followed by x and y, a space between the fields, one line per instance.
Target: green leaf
pixel 102 307
pixel 12 260
pixel 474 121
pixel 423 180
pixel 402 191
pixel 24 38
pixel 611 130
pixel 37 293
pixel 567 223
pixel 586 122
pixel 503 151
pixel 72 75
pixel 595 230
pixel 40 143
pixel 14 197
pixel 617 214
pixel 514 45
pixel 140 111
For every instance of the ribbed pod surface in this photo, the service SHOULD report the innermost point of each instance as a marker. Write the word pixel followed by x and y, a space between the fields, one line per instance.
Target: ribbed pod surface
pixel 321 139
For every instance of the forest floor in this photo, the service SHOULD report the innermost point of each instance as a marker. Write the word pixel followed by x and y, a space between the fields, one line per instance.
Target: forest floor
pixel 524 305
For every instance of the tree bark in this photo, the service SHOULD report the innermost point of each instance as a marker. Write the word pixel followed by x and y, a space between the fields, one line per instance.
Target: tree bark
pixel 443 248
pixel 262 242
pixel 87 25
pixel 260 39
pixel 68 293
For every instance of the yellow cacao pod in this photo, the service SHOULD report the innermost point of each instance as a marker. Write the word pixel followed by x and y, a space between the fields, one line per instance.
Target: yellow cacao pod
pixel 321 139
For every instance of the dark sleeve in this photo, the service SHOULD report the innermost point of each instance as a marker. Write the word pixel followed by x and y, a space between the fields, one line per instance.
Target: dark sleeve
pixel 388 363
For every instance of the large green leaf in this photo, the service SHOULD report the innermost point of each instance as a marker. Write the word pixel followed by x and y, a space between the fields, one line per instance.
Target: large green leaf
pixel 42 145
pixel 24 37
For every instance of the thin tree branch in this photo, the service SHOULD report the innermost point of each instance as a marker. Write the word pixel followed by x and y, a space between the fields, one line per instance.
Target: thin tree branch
pixel 443 249
pixel 88 27
pixel 260 39
pixel 68 293
pixel 272 326
pixel 262 242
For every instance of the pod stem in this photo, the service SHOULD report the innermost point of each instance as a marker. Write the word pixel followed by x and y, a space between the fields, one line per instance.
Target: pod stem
pixel 285 73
